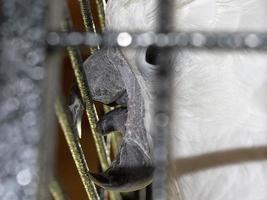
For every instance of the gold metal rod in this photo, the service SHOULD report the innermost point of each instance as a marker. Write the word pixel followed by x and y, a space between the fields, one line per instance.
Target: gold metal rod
pixel 101 6
pixel 113 138
pixel 87 16
pixel 57 191
pixel 89 107
pixel 77 65
pixel 87 19
pixel 75 148
pixel 115 142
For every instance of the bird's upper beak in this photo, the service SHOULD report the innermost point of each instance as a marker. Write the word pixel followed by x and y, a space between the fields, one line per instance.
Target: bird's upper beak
pixel 110 80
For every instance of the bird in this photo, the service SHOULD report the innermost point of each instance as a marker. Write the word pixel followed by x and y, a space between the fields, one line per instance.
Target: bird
pixel 219 100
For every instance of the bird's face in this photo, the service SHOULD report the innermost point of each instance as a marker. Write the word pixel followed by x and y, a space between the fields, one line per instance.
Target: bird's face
pixel 125 77
pixel 114 76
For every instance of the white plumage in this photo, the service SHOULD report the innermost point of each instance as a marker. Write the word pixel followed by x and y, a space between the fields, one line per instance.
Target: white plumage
pixel 220 97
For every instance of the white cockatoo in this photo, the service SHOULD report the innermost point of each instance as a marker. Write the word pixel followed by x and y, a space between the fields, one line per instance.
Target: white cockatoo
pixel 220 99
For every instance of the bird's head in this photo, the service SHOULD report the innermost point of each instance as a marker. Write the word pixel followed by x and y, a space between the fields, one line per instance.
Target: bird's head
pixel 125 77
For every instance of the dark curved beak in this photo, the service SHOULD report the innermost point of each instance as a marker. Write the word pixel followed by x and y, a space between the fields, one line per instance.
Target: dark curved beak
pixel 123 179
pixel 110 78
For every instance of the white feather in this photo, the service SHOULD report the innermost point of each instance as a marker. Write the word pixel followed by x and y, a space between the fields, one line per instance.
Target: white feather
pixel 220 97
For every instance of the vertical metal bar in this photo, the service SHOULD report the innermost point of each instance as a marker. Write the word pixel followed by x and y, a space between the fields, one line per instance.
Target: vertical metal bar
pixel 162 106
pixel 53 69
pixel 75 148
pixel 48 142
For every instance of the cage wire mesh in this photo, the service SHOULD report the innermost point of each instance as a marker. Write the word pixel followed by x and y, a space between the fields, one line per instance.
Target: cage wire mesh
pixel 166 39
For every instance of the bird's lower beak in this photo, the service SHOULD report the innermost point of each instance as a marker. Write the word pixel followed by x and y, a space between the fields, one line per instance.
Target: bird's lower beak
pixel 132 170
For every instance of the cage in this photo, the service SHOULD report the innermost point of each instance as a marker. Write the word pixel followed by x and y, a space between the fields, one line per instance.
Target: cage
pixel 33 35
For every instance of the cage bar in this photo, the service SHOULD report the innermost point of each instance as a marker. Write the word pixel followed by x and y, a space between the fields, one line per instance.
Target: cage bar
pixel 76 60
pixel 101 5
pixel 88 21
pixel 193 40
pixel 75 148
pixel 160 127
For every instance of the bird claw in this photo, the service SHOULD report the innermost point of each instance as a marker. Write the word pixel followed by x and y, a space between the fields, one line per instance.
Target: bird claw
pixel 76 109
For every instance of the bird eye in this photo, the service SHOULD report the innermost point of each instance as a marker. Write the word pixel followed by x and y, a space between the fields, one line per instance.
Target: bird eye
pixel 152 54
